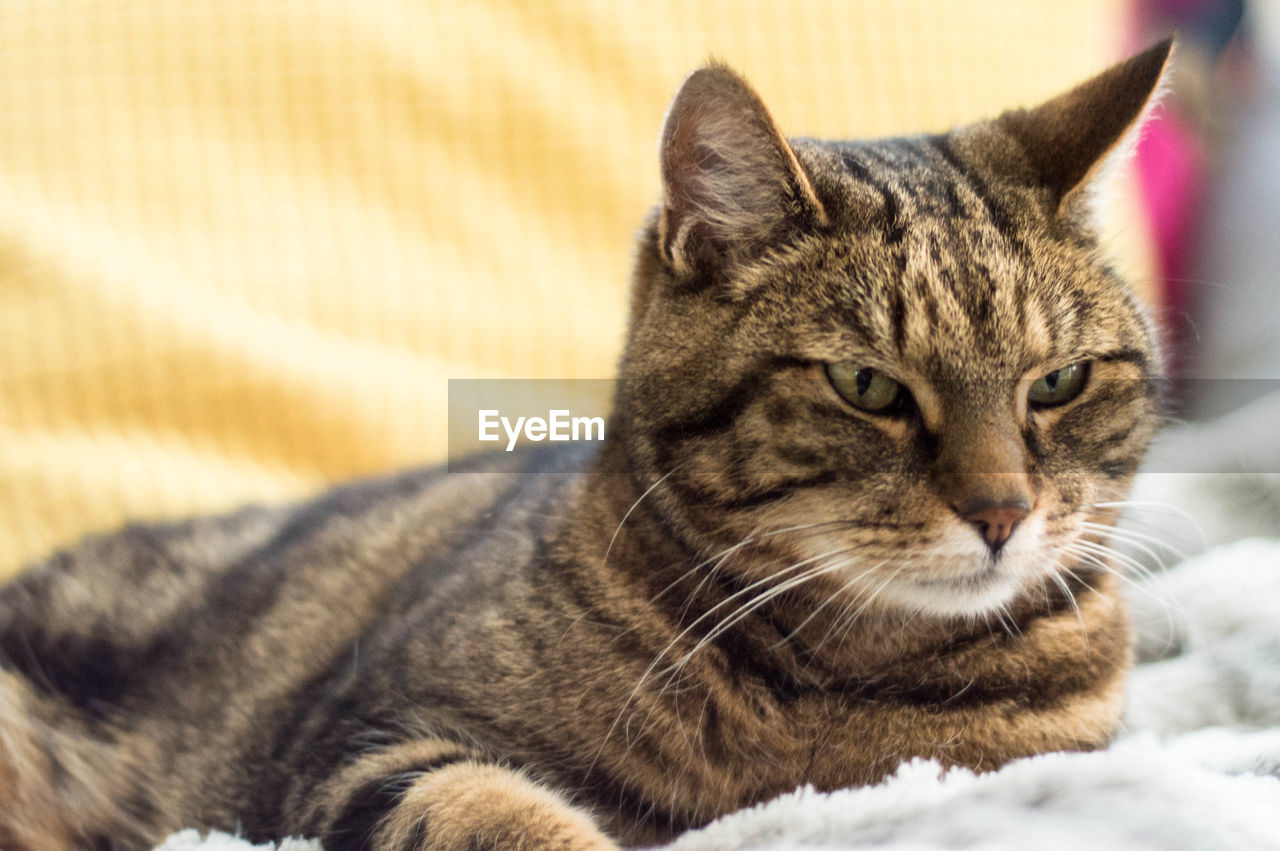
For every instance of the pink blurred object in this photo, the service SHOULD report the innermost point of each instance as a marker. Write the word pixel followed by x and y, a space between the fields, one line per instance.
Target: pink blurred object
pixel 1174 155
pixel 1170 163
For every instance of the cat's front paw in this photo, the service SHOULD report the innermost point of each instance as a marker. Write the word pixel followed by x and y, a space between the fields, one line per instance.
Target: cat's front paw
pixel 469 806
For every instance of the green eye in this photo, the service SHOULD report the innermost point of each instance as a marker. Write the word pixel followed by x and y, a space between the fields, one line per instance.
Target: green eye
pixel 1059 386
pixel 865 388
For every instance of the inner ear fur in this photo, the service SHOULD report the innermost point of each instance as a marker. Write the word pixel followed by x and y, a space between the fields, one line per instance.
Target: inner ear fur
pixel 731 182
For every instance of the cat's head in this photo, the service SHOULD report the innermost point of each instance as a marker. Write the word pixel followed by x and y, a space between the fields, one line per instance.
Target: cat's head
pixel 896 368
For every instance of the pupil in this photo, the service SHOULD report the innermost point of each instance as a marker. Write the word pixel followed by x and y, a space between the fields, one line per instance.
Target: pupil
pixel 863 380
pixel 1051 380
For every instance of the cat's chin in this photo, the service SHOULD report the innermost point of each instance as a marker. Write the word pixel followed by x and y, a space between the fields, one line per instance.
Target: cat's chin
pixel 967 595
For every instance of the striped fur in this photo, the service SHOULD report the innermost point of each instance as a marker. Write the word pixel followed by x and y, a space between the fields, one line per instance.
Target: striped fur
pixel 751 585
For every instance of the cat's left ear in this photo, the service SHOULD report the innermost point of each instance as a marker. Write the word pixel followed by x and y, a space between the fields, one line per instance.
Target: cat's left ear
pixel 731 184
pixel 1078 140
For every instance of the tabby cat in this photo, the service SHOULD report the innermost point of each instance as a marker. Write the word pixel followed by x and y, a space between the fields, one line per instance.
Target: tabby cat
pixel 877 403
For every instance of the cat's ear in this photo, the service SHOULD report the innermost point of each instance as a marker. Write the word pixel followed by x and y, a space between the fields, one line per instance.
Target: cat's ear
pixel 1077 141
pixel 730 182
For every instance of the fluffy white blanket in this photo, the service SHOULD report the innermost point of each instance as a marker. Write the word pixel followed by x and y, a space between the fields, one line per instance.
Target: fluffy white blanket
pixel 1198 766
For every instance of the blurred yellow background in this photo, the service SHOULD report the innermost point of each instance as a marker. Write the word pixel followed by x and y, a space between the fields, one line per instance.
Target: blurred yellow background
pixel 245 243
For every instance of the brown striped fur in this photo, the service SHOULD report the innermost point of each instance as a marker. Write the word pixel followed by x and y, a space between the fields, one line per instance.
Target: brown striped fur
pixel 751 584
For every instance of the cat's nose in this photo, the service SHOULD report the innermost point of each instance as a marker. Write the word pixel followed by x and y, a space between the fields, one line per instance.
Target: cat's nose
pixel 995 521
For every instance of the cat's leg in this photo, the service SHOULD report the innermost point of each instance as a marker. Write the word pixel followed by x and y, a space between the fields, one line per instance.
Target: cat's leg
pixel 432 795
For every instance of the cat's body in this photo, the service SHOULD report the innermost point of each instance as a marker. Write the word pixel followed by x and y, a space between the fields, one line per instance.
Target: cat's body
pixel 789 583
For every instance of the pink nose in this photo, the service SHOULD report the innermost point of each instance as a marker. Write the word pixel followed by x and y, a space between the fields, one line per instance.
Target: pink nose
pixel 996 522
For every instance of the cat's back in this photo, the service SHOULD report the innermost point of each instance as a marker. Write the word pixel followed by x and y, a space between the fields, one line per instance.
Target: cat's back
pixel 119 618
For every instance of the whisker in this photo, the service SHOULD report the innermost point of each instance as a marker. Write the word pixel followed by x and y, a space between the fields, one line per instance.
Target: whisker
pixel 633 507
pixel 843 593
pixel 675 670
pixel 1154 505
pixel 1056 576
pixel 843 588
pixel 1134 535
pixel 684 632
pixel 745 610
pixel 1110 552
pixel 1168 605
pixel 842 626
pixel 724 554
pixel 1144 503
pixel 1009 625
pixel 1136 540
pixel 856 613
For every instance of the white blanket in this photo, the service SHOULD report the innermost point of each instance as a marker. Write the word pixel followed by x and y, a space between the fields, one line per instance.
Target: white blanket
pixel 1197 767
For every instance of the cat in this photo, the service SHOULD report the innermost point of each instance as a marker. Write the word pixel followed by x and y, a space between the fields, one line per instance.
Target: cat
pixel 876 404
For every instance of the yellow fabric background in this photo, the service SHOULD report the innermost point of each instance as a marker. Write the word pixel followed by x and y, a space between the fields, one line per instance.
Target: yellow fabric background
pixel 244 243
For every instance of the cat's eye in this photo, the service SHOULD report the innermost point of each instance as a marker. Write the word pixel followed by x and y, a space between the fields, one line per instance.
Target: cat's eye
pixel 865 388
pixel 1059 386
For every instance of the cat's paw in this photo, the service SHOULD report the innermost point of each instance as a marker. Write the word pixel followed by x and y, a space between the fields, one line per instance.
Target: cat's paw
pixel 468 806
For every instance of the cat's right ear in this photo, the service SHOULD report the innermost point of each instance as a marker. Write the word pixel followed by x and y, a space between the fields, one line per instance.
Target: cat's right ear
pixel 731 183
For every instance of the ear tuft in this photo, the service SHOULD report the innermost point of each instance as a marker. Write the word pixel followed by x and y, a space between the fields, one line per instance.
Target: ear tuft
pixel 731 182
pixel 1075 141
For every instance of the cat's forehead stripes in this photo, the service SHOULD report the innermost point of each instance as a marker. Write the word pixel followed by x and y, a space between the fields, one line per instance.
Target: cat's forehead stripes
pixel 957 290
pixel 951 265
pixel 907 176
pixel 923 177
